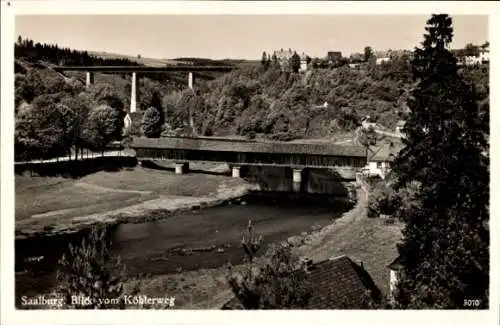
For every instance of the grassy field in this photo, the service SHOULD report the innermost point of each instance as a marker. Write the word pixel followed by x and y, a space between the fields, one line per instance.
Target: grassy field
pixel 46 201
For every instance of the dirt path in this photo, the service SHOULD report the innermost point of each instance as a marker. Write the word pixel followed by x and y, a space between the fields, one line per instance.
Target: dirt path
pixel 319 245
pixel 365 240
pixel 107 189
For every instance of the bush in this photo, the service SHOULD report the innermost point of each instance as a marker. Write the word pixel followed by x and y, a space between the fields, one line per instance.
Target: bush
pixel 383 200
pixel 90 270
pixel 274 284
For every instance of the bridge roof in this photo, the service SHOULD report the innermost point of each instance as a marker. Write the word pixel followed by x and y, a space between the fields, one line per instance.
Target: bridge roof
pixel 248 146
pixel 167 68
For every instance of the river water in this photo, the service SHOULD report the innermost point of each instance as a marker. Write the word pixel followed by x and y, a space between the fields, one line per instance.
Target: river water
pixel 191 240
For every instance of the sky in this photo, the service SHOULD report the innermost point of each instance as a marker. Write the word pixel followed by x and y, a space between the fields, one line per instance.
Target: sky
pixel 239 36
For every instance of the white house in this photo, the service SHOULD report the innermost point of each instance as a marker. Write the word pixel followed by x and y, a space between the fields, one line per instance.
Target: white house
pixel 304 66
pixel 472 60
pixel 382 60
pixel 131 120
pixel 484 54
pixel 378 167
pixel 399 126
pixel 380 161
pixel 367 123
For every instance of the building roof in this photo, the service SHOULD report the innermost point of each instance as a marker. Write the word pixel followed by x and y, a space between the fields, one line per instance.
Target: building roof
pixel 385 152
pixel 248 146
pixel 336 283
pixel 396 265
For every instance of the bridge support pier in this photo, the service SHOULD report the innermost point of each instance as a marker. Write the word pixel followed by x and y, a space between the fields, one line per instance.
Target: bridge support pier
pixel 133 94
pixel 181 168
pixel 190 80
pixel 297 179
pixel 89 79
pixel 235 170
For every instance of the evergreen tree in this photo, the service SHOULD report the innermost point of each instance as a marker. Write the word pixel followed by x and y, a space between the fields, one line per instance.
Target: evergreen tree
pixel 274 60
pixel 275 283
pixel 91 270
pixel 295 62
pixel 367 137
pixel 264 61
pixel 368 53
pixel 446 240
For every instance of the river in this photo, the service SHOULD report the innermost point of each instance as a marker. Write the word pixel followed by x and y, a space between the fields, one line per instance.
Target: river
pixel 191 240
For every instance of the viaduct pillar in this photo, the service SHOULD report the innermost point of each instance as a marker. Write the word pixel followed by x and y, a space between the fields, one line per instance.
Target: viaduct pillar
pixel 297 179
pixel 181 168
pixel 133 94
pixel 190 80
pixel 89 79
pixel 235 170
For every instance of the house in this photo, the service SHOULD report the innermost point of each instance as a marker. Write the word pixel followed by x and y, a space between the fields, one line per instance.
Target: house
pixel 382 60
pixel 367 123
pixel 382 56
pixel 380 160
pixel 335 283
pixel 334 55
pixel 334 58
pixel 283 57
pixel 472 60
pixel 484 53
pixel 304 64
pixel 399 126
pixel 132 121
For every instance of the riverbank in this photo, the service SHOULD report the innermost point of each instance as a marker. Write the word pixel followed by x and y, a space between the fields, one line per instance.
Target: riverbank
pixel 354 234
pixel 55 205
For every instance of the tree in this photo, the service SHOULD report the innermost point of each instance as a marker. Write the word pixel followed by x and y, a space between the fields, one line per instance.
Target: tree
pixel 80 108
pixel 445 250
pixel 368 53
pixel 295 62
pixel 106 95
pixel 102 126
pixel 151 125
pixel 264 61
pixel 367 137
pixel 43 129
pixel 274 60
pixel 91 270
pixel 274 285
pixel 308 59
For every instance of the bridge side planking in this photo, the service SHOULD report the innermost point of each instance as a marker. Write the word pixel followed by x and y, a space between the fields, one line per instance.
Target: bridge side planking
pixel 250 153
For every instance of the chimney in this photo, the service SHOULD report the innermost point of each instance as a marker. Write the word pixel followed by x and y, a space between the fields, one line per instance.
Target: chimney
pixel 307 264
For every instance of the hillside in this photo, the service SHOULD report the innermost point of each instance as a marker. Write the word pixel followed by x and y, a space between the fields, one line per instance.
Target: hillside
pixel 251 101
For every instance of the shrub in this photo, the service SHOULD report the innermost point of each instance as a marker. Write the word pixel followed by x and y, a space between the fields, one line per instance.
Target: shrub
pixel 91 270
pixel 274 284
